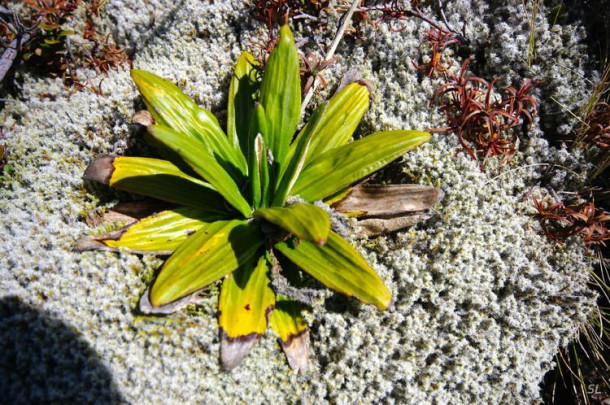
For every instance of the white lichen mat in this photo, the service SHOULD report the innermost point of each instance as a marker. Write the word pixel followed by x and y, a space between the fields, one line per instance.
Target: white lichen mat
pixel 483 300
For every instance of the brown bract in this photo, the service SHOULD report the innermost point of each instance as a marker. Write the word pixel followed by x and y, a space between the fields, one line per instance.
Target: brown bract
pixel 296 349
pixel 382 209
pixel 234 350
pixel 100 169
pixel 143 118
pixel 377 200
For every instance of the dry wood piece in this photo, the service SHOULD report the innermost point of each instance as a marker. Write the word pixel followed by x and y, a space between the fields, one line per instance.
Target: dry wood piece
pixel 388 208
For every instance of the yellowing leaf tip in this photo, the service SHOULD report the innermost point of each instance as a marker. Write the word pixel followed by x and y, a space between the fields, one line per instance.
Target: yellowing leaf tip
pixel 248 57
pixel 136 74
pixel 424 135
pixel 368 85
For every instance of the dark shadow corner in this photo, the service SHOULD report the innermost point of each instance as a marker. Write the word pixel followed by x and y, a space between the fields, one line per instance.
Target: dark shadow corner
pixel 43 360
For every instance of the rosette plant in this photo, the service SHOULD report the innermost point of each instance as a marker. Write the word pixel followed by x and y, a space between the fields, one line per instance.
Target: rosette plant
pixel 232 221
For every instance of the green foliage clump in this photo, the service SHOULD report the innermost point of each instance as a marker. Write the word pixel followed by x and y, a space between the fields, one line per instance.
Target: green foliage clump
pixel 233 219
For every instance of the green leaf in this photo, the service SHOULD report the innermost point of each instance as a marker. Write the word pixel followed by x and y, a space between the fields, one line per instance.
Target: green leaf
pixel 47 26
pixel 259 172
pixel 338 122
pixel 297 158
pixel 167 154
pixel 155 178
pixel 257 159
pixel 286 320
pixel 160 233
pixel 340 267
pixel 203 163
pixel 258 126
pixel 304 221
pixel 266 177
pixel 205 257
pixel 338 168
pixel 172 108
pixel 281 95
pixel 246 299
pixel 243 87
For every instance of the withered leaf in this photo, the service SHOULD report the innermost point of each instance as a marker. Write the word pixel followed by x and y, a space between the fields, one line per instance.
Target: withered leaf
pixel 377 200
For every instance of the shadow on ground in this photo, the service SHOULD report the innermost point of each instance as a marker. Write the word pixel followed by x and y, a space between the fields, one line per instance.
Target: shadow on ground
pixel 44 360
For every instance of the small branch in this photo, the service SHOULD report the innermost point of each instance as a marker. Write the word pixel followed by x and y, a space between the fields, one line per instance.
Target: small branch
pixel 302 16
pixel 331 51
pixel 22 36
pixel 397 12
pixel 442 12
pixel 9 55
pixel 416 12
pixel 550 165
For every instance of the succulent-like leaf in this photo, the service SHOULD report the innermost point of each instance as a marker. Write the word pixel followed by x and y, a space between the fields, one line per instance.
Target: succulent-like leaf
pixel 205 257
pixel 160 233
pixel 338 168
pixel 297 158
pixel 243 87
pixel 155 178
pixel 340 267
pixel 246 299
pixel 304 221
pixel 202 162
pixel 287 321
pixel 281 95
pixel 172 108
pixel 338 122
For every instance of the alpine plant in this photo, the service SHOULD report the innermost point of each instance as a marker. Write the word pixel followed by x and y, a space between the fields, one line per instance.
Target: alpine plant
pixel 229 220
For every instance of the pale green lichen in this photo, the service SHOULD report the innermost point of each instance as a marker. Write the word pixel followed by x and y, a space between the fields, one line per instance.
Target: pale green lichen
pixel 482 299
